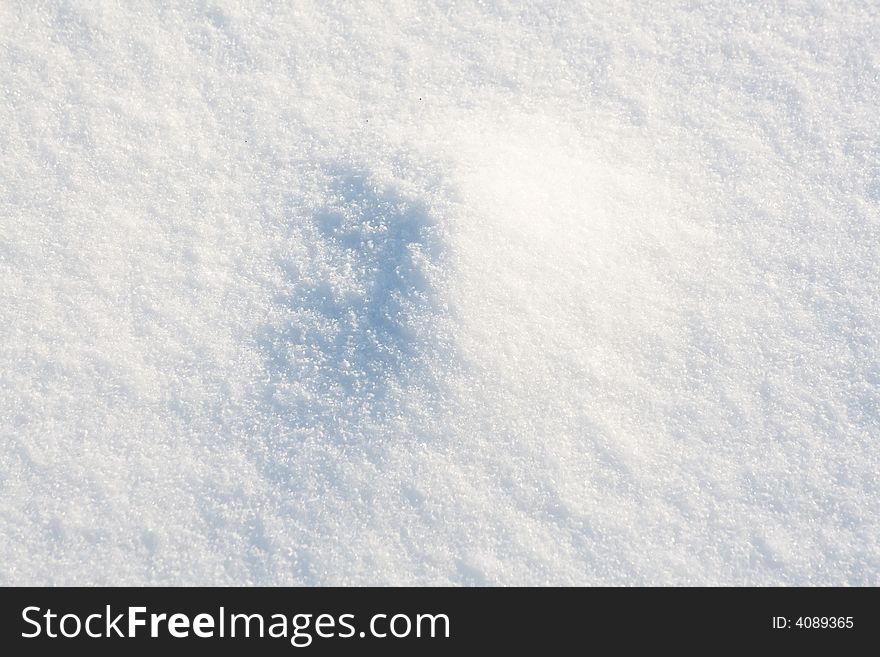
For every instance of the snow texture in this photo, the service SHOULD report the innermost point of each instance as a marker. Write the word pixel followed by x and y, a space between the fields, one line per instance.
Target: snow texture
pixel 496 292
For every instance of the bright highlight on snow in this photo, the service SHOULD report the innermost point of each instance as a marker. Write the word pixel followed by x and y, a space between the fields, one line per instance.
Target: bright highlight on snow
pixel 515 293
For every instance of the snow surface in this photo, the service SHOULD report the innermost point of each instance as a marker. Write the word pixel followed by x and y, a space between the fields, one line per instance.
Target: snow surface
pixel 439 292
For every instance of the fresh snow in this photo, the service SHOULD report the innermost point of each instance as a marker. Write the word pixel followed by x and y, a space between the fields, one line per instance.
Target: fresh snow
pixel 440 293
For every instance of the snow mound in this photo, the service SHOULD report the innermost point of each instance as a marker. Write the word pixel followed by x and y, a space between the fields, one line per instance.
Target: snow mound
pixel 439 293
